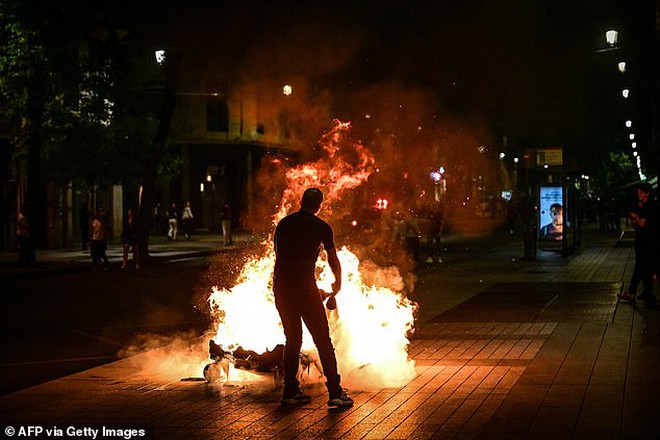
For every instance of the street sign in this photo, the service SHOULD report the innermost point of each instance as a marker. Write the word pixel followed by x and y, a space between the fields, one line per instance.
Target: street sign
pixel 549 156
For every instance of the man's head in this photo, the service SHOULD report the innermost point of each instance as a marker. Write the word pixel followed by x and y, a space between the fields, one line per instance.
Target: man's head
pixel 311 200
pixel 643 191
pixel 556 212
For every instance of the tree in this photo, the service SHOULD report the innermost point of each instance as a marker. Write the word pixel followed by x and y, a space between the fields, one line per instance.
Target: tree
pixel 67 80
pixel 23 81
pixel 616 172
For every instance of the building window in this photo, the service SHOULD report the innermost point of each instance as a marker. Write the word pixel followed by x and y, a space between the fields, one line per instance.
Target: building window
pixel 217 114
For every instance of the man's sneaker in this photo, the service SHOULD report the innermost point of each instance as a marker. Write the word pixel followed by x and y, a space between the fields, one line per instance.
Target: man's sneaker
pixel 297 399
pixel 626 296
pixel 343 400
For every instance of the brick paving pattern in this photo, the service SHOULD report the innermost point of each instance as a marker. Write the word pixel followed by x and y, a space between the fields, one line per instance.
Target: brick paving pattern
pixel 505 349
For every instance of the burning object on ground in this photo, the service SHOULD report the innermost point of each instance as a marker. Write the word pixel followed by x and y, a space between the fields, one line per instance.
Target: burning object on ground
pixel 268 362
pixel 373 317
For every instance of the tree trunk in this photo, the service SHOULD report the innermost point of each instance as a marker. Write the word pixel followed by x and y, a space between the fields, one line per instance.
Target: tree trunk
pixel 35 184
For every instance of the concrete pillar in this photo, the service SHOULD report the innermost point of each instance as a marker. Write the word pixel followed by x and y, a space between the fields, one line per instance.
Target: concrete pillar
pixel 117 213
pixel 249 187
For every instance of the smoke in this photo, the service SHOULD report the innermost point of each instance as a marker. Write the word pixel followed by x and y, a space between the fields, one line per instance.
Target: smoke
pixel 168 358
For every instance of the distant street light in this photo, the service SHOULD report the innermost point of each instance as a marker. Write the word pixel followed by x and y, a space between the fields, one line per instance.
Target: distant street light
pixel 622 67
pixel 612 37
pixel 287 90
pixel 632 136
pixel 160 56
pixel 628 123
pixel 625 93
pixel 634 144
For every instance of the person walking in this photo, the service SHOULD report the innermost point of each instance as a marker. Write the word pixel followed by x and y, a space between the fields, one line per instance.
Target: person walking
pixel 226 223
pixel 26 255
pixel 410 232
pixel 187 220
pixel 97 238
pixel 643 218
pixel 434 236
pixel 173 222
pixel 298 239
pixel 130 239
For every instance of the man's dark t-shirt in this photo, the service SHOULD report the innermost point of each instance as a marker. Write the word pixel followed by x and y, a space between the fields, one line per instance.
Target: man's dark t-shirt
pixel 645 241
pixel 298 239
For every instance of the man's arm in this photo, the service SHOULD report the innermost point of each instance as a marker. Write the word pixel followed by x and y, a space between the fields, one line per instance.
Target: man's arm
pixel 333 261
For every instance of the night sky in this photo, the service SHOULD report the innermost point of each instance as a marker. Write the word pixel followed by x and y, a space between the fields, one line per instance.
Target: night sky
pixel 527 70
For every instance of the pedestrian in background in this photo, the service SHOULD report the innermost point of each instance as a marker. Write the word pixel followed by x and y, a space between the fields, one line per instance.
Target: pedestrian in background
pixel 130 239
pixel 157 219
pixel 434 235
pixel 409 233
pixel 26 255
pixel 226 223
pixel 107 233
pixel 173 222
pixel 643 218
pixel 97 236
pixel 187 220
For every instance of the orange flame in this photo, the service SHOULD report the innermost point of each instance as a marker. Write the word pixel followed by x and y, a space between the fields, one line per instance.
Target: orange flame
pixel 371 324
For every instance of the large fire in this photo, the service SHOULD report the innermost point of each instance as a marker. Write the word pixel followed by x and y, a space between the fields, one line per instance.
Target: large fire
pixel 371 324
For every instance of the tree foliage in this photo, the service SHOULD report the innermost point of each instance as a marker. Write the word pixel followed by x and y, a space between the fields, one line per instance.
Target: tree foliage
pixel 94 125
pixel 616 171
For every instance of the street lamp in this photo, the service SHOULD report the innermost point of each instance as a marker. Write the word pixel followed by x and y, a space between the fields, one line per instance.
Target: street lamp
pixel 612 37
pixel 628 123
pixel 622 66
pixel 632 136
pixel 625 93
pixel 160 56
pixel 209 180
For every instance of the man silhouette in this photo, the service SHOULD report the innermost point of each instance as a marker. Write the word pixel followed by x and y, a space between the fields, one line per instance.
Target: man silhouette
pixel 299 237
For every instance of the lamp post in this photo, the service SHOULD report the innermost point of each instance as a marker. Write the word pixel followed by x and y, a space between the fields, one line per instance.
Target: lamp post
pixel 612 37
pixel 211 183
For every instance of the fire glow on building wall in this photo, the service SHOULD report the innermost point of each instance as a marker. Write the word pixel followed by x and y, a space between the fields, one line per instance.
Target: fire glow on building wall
pixel 371 324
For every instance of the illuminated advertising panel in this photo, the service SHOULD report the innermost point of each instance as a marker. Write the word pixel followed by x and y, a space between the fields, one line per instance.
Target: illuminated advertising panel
pixel 551 213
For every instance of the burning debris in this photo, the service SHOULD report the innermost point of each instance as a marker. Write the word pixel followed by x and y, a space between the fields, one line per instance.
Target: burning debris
pixel 269 361
pixel 370 323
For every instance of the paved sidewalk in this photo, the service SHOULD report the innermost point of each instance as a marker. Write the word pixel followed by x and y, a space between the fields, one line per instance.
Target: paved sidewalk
pixel 160 248
pixel 504 349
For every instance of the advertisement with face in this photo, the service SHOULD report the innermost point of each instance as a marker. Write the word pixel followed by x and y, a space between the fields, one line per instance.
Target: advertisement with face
pixel 551 212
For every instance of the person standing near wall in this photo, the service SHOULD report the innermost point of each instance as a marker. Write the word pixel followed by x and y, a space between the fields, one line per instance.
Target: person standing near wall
pixel 130 238
pixel 187 220
pixel 226 223
pixel 173 222
pixel 434 235
pixel 97 236
pixel 26 255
